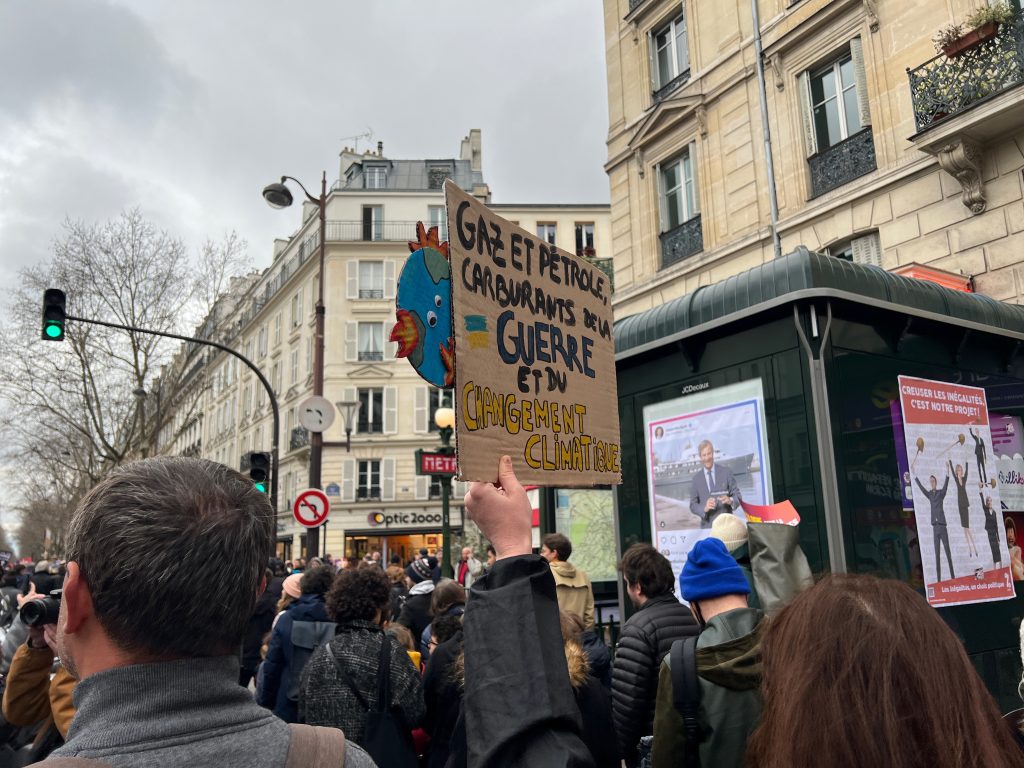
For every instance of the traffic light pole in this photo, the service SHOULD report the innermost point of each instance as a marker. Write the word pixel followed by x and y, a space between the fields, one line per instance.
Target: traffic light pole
pixel 252 367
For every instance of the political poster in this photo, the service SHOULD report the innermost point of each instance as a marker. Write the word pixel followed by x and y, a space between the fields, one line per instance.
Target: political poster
pixel 534 355
pixel 955 493
pixel 1008 452
pixel 707 455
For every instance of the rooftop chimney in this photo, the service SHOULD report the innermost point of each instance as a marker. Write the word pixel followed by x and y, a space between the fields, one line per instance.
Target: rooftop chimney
pixel 380 148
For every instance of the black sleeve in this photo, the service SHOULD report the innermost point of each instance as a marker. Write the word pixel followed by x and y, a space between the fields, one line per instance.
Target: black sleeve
pixel 519 706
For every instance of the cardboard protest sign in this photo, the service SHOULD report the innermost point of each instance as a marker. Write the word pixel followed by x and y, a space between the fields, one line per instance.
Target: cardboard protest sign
pixel 534 356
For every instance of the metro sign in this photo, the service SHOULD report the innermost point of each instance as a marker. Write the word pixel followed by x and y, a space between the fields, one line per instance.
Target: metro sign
pixel 428 463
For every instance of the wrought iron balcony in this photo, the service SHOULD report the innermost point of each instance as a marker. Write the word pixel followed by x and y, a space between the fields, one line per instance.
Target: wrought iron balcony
pixel 368 493
pixel 685 240
pixel 382 231
pixel 680 79
pixel 841 163
pixel 943 86
pixel 299 438
pixel 634 4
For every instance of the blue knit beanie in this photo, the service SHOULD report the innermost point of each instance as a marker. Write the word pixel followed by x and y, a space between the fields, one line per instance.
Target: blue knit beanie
pixel 710 571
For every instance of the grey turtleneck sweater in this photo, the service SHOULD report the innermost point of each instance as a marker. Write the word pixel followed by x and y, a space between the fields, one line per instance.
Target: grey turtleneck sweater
pixel 179 713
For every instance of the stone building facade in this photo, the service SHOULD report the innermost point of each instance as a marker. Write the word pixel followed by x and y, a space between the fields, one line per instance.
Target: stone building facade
pixel 883 151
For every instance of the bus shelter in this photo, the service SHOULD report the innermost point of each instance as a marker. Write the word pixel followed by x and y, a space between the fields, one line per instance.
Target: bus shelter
pixel 791 368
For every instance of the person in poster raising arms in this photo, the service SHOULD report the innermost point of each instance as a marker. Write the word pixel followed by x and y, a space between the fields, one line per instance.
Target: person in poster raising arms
pixel 936 496
pixel 960 478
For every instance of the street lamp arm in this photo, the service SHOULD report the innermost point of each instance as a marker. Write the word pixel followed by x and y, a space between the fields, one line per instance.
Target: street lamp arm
pixel 252 366
pixel 314 200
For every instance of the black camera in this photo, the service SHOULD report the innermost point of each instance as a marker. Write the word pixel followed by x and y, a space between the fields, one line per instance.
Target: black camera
pixel 39 613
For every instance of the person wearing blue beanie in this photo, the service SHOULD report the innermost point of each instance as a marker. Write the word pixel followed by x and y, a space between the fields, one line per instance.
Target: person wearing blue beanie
pixel 710 572
pixel 727 661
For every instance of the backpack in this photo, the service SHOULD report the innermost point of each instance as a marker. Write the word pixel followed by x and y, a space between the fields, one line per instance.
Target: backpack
pixel 307 636
pixel 686 695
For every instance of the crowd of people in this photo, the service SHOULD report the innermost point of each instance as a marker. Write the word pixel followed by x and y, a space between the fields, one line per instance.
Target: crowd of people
pixel 326 663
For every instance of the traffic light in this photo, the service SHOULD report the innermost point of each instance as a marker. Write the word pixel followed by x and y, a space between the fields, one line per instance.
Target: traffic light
pixel 53 314
pixel 259 471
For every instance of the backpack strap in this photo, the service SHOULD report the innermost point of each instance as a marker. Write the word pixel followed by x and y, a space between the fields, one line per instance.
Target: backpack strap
pixel 72 762
pixel 686 695
pixel 314 746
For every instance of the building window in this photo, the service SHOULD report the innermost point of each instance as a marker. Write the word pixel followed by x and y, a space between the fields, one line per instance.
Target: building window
pixel 375 177
pixel 297 309
pixel 435 487
pixel 439 219
pixel 678 192
pixel 837 121
pixel 369 480
pixel 863 249
pixel 547 232
pixel 834 103
pixel 584 239
pixel 371 279
pixel 262 341
pixel 371 411
pixel 295 366
pixel 371 342
pixel 670 55
pixel 373 222
pixel 438 398
pixel 277 329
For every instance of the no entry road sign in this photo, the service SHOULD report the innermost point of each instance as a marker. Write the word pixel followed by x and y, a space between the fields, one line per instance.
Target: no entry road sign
pixel 311 508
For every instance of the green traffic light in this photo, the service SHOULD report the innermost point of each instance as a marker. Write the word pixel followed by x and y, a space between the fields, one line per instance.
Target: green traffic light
pixel 54 330
pixel 261 487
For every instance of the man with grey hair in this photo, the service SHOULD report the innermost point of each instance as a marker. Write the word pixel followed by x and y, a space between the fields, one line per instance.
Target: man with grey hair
pixel 155 657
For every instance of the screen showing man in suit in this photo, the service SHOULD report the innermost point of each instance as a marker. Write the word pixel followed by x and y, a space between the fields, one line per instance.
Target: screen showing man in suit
pixel 713 488
pixel 707 454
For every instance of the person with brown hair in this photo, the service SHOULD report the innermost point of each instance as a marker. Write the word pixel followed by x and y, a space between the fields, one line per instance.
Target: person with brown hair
pixel 447 599
pixel 572 584
pixel 860 671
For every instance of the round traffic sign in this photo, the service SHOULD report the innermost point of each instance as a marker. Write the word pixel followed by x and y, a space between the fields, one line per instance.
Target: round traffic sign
pixel 316 413
pixel 311 507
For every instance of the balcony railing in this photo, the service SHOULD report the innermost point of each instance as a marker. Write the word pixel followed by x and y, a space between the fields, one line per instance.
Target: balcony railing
pixel 368 493
pixel 842 163
pixel 369 427
pixel 680 79
pixel 370 357
pixel 943 86
pixel 299 438
pixel 382 231
pixel 685 240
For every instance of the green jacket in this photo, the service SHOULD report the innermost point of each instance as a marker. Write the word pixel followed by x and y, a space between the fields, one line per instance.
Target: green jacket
pixel 729 666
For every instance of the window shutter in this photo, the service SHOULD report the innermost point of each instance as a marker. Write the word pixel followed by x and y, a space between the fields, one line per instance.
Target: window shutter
pixel 387 480
pixel 804 89
pixel 389 278
pixel 860 76
pixel 695 203
pixel 652 61
pixel 420 426
pixel 348 479
pixel 662 201
pixel 867 250
pixel 422 487
pixel 390 347
pixel 390 410
pixel 351 340
pixel 352 282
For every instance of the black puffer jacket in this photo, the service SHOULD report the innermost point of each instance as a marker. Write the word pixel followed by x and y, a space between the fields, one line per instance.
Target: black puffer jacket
pixel 645 640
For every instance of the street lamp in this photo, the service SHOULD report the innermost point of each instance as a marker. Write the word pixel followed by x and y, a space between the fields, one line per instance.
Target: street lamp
pixel 444 418
pixel 348 410
pixel 278 195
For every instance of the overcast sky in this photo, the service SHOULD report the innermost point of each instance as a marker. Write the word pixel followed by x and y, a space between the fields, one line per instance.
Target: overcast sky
pixel 187 109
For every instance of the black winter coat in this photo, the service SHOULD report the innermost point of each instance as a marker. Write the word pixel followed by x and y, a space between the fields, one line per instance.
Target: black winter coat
pixel 442 695
pixel 259 625
pixel 645 640
pixel 416 615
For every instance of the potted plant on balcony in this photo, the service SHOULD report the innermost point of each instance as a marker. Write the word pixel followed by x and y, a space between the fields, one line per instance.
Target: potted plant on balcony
pixel 981 26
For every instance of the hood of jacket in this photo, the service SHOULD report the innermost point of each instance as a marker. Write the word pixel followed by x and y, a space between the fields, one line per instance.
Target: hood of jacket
pixel 579 667
pixel 729 649
pixel 422 588
pixel 566 573
pixel 308 608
